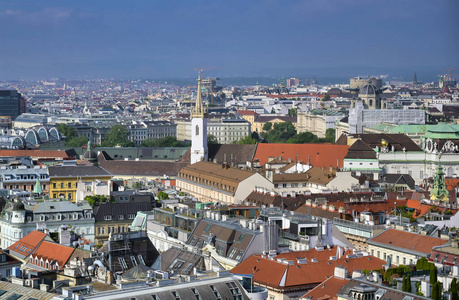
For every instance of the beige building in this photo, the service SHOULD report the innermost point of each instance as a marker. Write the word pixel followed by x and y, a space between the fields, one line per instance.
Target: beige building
pixel 403 248
pixel 359 82
pixel 210 182
pixel 317 121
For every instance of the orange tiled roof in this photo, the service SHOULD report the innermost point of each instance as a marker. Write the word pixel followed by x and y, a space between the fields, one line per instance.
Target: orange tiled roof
pixel 247 113
pixel 407 240
pixel 326 289
pixel 319 155
pixel 383 206
pixel 35 153
pixel 53 252
pixel 275 274
pixel 25 245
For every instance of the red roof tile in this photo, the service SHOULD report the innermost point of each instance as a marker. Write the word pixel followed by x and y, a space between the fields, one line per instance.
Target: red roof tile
pixel 319 155
pixel 247 113
pixel 407 240
pixel 53 252
pixel 277 274
pixel 36 154
pixel 326 289
pixel 28 243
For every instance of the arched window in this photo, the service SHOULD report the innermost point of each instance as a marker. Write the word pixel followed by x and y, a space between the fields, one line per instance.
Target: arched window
pixel 197 129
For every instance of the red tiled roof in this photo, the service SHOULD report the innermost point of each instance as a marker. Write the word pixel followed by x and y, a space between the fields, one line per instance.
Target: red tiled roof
pixel 53 252
pixel 319 155
pixel 326 289
pixel 407 240
pixel 275 274
pixel 35 153
pixel 25 245
pixel 247 113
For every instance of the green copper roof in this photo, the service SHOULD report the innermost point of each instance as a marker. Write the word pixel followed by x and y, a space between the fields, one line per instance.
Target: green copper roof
pixel 444 128
pixel 37 189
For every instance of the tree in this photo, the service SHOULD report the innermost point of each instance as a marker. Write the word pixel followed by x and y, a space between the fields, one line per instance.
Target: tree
pixel 212 139
pixel 330 135
pixel 303 138
pixel 454 289
pixel 406 286
pixel 437 291
pixel 68 131
pixel 162 196
pixel 247 140
pixel 267 126
pixel 255 136
pixel 280 132
pixel 98 199
pixel 433 274
pixel 292 111
pixel 76 142
pixel 118 135
pixel 168 141
pixel 326 98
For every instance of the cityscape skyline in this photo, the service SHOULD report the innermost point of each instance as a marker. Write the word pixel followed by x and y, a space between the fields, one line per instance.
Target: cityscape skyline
pixel 236 39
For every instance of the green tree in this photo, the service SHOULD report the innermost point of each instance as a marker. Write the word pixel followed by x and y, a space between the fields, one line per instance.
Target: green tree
pixel 280 132
pixel 454 289
pixel 68 131
pixel 255 136
pixel 76 142
pixel 162 196
pixel 326 98
pixel 168 141
pixel 292 111
pixel 118 135
pixel 247 140
pixel 330 135
pixel 267 126
pixel 406 286
pixel 437 291
pixel 433 274
pixel 212 139
pixel 98 199
pixel 303 138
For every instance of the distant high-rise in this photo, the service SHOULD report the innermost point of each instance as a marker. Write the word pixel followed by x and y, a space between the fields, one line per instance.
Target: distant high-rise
pixel 12 104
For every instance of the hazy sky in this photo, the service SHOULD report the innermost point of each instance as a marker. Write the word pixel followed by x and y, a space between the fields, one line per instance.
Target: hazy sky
pixel 168 38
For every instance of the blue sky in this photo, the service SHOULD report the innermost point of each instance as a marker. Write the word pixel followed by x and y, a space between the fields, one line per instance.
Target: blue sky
pixel 168 38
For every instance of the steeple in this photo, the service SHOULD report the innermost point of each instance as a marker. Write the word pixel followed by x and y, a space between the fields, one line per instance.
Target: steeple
pixel 415 79
pixel 439 191
pixel 199 150
pixel 199 111
pixel 37 189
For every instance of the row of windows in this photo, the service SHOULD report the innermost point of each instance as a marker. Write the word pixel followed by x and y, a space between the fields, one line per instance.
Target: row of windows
pixel 120 217
pixel 112 229
pixel 207 182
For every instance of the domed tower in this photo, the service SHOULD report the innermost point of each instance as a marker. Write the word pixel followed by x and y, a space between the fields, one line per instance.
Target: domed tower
pixel 18 212
pixel 439 191
pixel 370 96
pixel 90 155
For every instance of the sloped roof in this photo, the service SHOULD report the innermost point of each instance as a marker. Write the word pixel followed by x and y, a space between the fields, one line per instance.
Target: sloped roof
pixel 117 209
pixel 397 140
pixel 25 246
pixel 360 150
pixel 140 168
pixel 53 252
pixel 406 241
pixel 73 171
pixel 327 289
pixel 277 274
pixel 232 153
pixel 36 154
pixel 400 179
pixel 319 155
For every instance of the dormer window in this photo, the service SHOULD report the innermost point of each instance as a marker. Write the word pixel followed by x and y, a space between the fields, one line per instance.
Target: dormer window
pixel 108 218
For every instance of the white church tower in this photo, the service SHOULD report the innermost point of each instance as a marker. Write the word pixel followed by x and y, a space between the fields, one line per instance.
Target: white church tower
pixel 199 128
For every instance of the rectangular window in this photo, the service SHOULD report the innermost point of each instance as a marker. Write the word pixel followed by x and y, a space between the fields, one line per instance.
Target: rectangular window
pixel 70 185
pixel 54 186
pixel 62 185
pixel 134 261
pixel 121 217
pixel 108 218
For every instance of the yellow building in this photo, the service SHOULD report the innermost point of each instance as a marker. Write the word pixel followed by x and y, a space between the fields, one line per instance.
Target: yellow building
pixel 63 179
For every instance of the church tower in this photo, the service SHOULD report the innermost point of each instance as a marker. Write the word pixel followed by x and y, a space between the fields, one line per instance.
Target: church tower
pixel 439 191
pixel 199 127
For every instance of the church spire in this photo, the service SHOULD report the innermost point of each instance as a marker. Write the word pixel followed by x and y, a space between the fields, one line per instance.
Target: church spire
pixel 439 191
pixel 199 111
